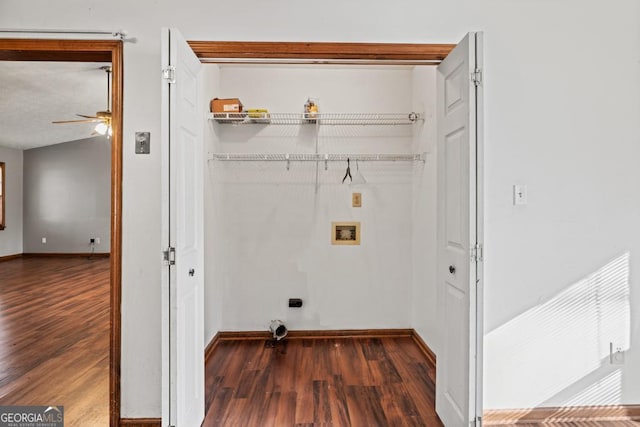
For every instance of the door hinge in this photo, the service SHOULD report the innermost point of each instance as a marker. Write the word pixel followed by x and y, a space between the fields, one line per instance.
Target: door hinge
pixel 169 256
pixel 476 76
pixel 477 253
pixel 477 422
pixel 169 74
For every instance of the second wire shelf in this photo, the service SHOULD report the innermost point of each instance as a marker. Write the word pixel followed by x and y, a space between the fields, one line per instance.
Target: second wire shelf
pixel 312 157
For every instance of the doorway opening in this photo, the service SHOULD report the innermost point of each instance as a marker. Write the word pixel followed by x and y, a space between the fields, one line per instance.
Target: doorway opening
pixel 459 84
pixel 96 51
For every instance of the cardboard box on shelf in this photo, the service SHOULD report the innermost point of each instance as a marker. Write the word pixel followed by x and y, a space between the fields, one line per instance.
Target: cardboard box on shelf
pixel 226 105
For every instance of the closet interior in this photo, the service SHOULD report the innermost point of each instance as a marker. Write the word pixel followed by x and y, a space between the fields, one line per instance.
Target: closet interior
pixel 283 186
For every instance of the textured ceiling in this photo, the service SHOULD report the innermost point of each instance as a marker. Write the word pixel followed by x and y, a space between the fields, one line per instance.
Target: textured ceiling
pixel 33 94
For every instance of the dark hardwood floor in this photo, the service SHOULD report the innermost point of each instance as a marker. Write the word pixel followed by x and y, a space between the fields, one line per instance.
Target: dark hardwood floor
pixel 320 382
pixel 54 336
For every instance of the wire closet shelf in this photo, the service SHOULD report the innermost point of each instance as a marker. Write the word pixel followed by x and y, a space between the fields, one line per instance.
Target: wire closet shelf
pixel 354 119
pixel 311 157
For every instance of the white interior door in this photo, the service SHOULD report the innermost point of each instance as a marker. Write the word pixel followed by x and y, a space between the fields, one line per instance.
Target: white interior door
pixel 456 381
pixel 183 313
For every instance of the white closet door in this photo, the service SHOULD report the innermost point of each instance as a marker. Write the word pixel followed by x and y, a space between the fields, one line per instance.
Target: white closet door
pixel 183 219
pixel 457 228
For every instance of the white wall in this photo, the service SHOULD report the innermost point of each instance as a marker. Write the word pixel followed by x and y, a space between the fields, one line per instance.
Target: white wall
pixel 562 102
pixel 212 229
pixel 67 197
pixel 424 296
pixel 561 278
pixel 11 236
pixel 274 230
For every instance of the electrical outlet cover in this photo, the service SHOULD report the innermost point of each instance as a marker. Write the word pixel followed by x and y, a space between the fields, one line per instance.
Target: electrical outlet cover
pixel 356 200
pixel 616 354
pixel 617 358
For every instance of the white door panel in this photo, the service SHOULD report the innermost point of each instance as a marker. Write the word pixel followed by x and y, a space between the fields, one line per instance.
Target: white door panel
pixel 456 368
pixel 183 315
pixel 454 169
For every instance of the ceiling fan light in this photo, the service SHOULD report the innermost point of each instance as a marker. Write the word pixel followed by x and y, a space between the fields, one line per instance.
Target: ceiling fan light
pixel 102 128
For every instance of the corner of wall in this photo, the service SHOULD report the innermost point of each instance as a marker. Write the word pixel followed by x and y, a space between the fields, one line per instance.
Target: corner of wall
pixel 424 290
pixel 11 238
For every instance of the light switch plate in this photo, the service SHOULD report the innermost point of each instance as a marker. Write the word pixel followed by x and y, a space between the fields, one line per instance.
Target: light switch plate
pixel 356 200
pixel 519 194
pixel 143 142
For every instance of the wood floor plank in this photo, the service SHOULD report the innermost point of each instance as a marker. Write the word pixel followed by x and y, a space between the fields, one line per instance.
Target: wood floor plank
pixel 365 408
pixel 235 414
pixel 286 414
pixel 338 402
pixel 303 375
pixel 304 404
pixel 54 336
pixel 321 406
pixel 353 364
pixel 218 406
pixel 316 382
pixel 584 416
pixel 398 405
pixel 270 410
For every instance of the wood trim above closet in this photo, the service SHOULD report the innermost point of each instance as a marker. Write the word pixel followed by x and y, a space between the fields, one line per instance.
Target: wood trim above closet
pixel 319 51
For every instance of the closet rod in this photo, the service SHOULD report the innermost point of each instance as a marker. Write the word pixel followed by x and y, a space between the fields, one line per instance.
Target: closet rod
pixel 311 157
pixel 120 34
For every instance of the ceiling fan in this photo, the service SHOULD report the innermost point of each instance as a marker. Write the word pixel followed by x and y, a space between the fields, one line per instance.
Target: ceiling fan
pixel 103 118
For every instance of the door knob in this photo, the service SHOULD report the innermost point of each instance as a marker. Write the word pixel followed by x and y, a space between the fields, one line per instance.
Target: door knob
pixel 192 272
pixel 452 269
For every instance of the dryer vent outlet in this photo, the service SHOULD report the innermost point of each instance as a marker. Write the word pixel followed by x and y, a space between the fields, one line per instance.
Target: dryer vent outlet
pixel 278 329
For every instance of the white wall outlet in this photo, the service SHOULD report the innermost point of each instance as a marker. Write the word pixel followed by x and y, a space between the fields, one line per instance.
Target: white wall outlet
pixel 356 200
pixel 519 194
pixel 97 240
pixel 616 354
pixel 44 240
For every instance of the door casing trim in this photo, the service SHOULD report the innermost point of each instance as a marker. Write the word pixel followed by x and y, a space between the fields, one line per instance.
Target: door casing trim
pixel 269 52
pixel 94 51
